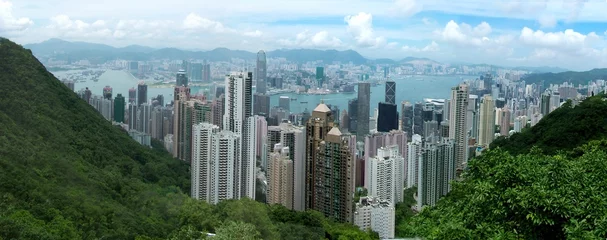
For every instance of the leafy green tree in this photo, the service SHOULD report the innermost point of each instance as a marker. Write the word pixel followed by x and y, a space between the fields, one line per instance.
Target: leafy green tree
pixel 237 231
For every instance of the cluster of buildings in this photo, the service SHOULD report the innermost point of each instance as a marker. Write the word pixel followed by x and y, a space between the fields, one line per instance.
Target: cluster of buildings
pixel 239 146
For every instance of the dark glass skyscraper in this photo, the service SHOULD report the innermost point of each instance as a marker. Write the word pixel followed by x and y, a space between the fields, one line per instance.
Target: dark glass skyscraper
pixel 353 115
pixel 261 104
pixel 320 75
pixel 132 95
pixel 142 93
pixel 260 73
pixel 196 72
pixel 364 99
pixel 119 104
pixel 391 92
pixel 182 79
pixel 407 118
pixel 388 117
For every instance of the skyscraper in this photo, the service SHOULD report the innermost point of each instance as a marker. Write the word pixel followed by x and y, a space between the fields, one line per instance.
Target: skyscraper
pixel 261 72
pixel 292 137
pixel 364 98
pixel 181 123
pixel 133 109
pixel 320 76
pixel 436 171
pixel 196 71
pixel 388 117
pixel 218 110
pixel 505 122
pixel 119 105
pixel 142 93
pixel 385 174
pixel 261 104
pixel 132 95
pixel 487 121
pixel 280 176
pixel 182 79
pixel 206 73
pixel 224 175
pixel 238 94
pixel 203 160
pixel 391 92
pixel 457 124
pixel 407 118
pixel 414 150
pixel 249 156
pixel 145 113
pixel 285 103
pixel 353 114
pixel 334 176
pixel 107 92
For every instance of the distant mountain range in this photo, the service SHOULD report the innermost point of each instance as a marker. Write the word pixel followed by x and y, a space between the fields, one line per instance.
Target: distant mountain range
pixel 569 76
pixel 100 53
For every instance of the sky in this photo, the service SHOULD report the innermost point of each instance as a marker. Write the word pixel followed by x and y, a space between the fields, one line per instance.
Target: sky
pixel 565 33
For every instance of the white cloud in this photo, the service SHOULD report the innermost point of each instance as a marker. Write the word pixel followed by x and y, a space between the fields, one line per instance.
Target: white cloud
pixel 361 28
pixel 568 40
pixel 432 47
pixel 196 23
pixel 547 21
pixel 10 23
pixel 317 40
pixel 464 35
pixel 392 45
pixel 407 8
pixel 255 33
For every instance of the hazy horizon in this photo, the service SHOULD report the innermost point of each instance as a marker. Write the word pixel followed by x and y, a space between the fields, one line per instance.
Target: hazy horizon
pixel 566 34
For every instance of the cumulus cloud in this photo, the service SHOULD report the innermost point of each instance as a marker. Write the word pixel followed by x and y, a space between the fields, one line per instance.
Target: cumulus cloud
pixel 320 39
pixel 568 40
pixel 432 47
pixel 255 33
pixel 407 8
pixel 10 23
pixel 195 23
pixel 466 35
pixel 64 26
pixel 361 28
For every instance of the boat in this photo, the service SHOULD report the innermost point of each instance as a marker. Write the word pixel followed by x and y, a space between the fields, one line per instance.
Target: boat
pixel 293 99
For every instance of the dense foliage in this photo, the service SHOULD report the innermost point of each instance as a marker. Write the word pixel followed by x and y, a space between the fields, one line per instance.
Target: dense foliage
pixel 575 78
pixel 546 183
pixel 564 129
pixel 67 173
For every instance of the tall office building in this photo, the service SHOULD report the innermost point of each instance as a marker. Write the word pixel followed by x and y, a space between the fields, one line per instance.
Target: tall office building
pixel 291 136
pixel 487 121
pixel 387 119
pixel 261 105
pixel 344 122
pixel 157 123
pixel 106 108
pixel 196 71
pixel 376 141
pixel 436 171
pixel 414 150
pixel 107 92
pixel 505 122
pixel 418 123
pixel 473 118
pixel 555 101
pixel 407 118
pixel 238 101
pixel 353 114
pixel 364 99
pixel 206 73
pixel 545 104
pixel 133 116
pixel 280 176
pixel 182 79
pixel 285 103
pixel 218 109
pixel 132 95
pixel 261 73
pixel 457 124
pixel 87 95
pixel 142 93
pixel 329 167
pixel 145 114
pixel 181 123
pixel 158 101
pixel 320 76
pixel 119 105
pixel 249 155
pixel 385 174
pixel 203 160
pixel 334 177
pixel 391 92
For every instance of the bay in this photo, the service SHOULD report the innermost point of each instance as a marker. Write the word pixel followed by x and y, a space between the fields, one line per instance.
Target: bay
pixel 412 89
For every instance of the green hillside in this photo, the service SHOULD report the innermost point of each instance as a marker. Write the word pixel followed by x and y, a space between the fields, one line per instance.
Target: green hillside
pixel 549 182
pixel 564 129
pixel 569 76
pixel 67 173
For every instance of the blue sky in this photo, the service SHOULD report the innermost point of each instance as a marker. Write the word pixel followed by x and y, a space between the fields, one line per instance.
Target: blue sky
pixel 564 33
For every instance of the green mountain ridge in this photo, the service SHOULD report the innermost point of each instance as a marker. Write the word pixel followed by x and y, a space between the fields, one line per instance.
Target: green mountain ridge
pixel 572 77
pixel 67 173
pixel 548 182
